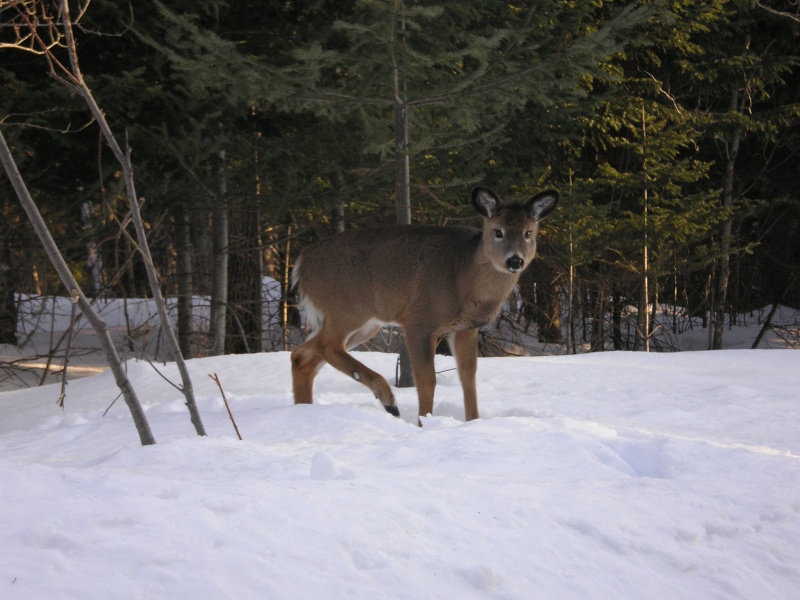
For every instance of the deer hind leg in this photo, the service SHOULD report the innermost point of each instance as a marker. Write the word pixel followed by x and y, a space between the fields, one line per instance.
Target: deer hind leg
pixel 464 345
pixel 306 363
pixel 331 346
pixel 421 349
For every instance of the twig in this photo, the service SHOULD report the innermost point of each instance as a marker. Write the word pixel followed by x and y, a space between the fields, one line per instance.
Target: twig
pixel 215 377
pixel 52 349
pixel 113 402
pixel 73 317
pixel 155 368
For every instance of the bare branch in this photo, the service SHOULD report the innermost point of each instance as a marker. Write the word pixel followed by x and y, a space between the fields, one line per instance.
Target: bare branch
pixel 59 28
pixel 29 26
pixel 215 377
pixel 794 17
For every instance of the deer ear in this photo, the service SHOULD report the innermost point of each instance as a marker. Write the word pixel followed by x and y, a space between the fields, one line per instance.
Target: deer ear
pixel 542 204
pixel 485 202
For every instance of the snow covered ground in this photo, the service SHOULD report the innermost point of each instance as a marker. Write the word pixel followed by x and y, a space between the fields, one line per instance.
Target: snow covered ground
pixel 597 476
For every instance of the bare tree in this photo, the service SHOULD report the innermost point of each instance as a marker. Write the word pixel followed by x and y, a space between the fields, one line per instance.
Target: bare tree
pixel 39 31
pixel 99 325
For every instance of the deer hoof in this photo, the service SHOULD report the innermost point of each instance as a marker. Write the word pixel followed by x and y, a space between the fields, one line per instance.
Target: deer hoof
pixel 392 410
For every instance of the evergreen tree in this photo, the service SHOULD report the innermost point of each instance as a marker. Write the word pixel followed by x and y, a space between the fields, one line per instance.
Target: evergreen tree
pixel 745 93
pixel 436 84
pixel 646 148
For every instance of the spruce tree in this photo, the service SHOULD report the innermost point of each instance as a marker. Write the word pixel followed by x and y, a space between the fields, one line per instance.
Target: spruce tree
pixel 430 81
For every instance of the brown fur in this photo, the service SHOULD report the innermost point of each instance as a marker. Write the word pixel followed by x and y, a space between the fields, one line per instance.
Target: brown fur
pixel 434 282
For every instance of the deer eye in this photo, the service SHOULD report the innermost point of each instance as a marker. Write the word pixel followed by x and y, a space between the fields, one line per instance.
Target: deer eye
pixel 498 234
pixel 528 235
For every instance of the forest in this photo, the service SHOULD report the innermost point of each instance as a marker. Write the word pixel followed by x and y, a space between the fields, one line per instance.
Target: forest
pixel 670 128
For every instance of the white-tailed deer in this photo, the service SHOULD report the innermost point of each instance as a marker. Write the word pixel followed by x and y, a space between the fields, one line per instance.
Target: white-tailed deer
pixel 432 281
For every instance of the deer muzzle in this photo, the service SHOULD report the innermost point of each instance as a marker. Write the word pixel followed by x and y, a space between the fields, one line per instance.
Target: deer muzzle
pixel 515 264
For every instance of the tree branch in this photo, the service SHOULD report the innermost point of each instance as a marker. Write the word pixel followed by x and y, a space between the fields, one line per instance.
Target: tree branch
pixel 794 17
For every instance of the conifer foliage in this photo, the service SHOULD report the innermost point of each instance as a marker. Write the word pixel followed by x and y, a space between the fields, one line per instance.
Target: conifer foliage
pixel 670 128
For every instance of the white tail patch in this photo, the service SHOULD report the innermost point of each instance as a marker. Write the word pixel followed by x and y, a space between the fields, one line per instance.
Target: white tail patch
pixel 313 316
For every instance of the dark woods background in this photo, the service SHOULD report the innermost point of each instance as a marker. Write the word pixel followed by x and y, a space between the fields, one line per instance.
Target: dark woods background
pixel 671 129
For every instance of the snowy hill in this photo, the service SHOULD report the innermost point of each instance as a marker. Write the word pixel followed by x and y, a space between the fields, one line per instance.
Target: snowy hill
pixel 612 475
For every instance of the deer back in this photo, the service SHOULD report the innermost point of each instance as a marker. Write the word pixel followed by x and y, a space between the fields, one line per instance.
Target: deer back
pixel 427 277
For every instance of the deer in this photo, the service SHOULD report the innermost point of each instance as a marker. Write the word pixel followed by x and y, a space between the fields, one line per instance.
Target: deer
pixel 434 282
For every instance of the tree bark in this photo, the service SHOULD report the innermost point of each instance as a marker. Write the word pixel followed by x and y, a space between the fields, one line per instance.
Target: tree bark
pixel 8 301
pixel 337 216
pixel 403 203
pixel 245 320
pixel 737 105
pixel 219 261
pixel 401 114
pixel 402 163
pixel 571 346
pixel 402 170
pixel 643 316
pixel 616 322
pixel 61 267
pixel 766 326
pixel 723 277
pixel 598 335
pixel 185 281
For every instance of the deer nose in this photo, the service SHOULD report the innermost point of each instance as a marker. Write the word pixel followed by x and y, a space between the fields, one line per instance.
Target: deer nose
pixel 514 264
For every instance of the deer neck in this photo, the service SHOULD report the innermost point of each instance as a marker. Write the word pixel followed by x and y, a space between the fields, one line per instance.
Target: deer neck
pixel 489 282
pixel 484 289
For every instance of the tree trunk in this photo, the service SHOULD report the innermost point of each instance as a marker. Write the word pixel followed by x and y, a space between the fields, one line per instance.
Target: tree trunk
pixel 8 304
pixel 402 176
pixel 571 346
pixel 766 326
pixel 289 311
pixel 723 277
pixel 61 267
pixel 94 259
pixel 403 203
pixel 244 284
pixel 401 134
pixel 402 163
pixel 185 281
pixel 616 322
pixel 219 261
pixel 8 281
pixel 643 318
pixel 128 280
pixel 337 216
pixel 598 318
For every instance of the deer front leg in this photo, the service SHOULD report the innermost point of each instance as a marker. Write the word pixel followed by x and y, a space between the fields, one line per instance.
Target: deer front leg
pixel 333 351
pixel 421 350
pixel 464 344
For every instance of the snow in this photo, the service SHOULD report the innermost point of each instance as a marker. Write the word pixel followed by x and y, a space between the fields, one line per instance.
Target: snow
pixel 603 476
